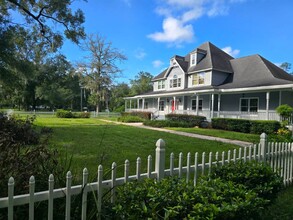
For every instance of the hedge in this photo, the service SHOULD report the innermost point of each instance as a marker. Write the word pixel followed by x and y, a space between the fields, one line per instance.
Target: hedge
pixel 233 191
pixel 130 119
pixel 192 119
pixel 68 114
pixel 143 115
pixel 168 123
pixel 246 126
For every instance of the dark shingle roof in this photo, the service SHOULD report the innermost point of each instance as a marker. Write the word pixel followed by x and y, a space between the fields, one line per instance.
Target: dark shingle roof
pixel 253 71
pixel 161 75
pixel 215 58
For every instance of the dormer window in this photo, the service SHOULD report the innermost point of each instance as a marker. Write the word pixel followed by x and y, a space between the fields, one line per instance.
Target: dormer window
pixel 193 59
pixel 175 82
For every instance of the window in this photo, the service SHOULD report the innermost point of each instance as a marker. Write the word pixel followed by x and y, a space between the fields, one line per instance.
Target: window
pixel 161 84
pixel 193 104
pixel 161 105
pixel 175 82
pixel 198 79
pixel 193 56
pixel 248 104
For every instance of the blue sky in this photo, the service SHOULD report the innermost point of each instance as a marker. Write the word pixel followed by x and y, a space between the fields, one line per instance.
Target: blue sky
pixel 150 32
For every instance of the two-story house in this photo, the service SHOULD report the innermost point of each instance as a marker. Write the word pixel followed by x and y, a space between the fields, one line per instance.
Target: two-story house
pixel 209 82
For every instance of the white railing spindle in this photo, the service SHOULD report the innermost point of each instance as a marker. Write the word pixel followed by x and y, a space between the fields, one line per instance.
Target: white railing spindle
pixel 32 183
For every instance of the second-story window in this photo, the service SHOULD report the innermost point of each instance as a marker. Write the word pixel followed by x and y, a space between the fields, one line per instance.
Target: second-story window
pixel 193 57
pixel 175 82
pixel 198 79
pixel 161 84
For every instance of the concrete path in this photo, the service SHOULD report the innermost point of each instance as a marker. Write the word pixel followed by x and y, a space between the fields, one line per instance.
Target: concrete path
pixel 199 136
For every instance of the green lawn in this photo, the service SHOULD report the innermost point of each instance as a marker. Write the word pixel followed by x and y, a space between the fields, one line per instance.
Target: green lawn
pixel 92 142
pixel 253 138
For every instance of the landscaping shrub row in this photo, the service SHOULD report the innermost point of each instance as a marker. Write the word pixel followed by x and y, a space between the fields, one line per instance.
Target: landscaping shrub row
pixel 130 119
pixel 246 126
pixel 168 123
pixel 68 114
pixel 234 191
pixel 192 119
pixel 143 115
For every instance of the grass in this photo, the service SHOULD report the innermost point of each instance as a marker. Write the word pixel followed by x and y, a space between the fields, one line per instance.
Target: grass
pixel 253 138
pixel 92 142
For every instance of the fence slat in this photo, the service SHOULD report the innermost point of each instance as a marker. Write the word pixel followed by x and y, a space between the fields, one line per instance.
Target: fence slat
pixel 84 193
pixel 51 197
pixel 223 158
pixel 195 168
pixel 180 164
pixel 203 163
pixel 138 165
pixel 32 198
pixel 126 171
pixel 234 155
pixel 171 164
pixel 10 197
pixel 68 195
pixel 149 170
pixel 210 162
pixel 188 167
pixel 113 182
pixel 229 156
pixel 100 191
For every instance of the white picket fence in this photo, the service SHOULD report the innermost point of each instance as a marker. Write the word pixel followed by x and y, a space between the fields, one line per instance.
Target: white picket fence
pixel 278 155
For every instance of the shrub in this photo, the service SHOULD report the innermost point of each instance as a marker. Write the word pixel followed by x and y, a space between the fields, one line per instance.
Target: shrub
pixel 255 176
pixel 173 198
pixel 268 127
pixel 143 115
pixel 246 126
pixel 64 114
pixel 68 114
pixel 168 123
pixel 130 119
pixel 195 120
pixel 285 111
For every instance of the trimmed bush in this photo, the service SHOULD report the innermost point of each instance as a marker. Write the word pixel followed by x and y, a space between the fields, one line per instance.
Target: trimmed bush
pixel 255 176
pixel 143 115
pixel 130 119
pixel 168 123
pixel 246 126
pixel 195 120
pixel 68 114
pixel 64 114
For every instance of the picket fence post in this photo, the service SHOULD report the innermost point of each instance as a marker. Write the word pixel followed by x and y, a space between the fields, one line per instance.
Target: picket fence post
pixel 263 146
pixel 160 159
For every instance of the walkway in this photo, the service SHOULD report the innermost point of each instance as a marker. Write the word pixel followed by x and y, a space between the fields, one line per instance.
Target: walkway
pixel 199 136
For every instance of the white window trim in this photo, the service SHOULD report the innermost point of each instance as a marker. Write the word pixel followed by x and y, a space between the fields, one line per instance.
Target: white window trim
pixel 249 105
pixel 161 83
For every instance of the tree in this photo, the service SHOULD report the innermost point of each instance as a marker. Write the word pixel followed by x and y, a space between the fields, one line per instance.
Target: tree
pixel 142 83
pixel 286 66
pixel 43 15
pixel 118 92
pixel 98 73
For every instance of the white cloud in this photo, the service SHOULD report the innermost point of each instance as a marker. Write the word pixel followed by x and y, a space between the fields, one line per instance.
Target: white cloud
pixel 173 31
pixel 178 15
pixel 230 51
pixel 140 53
pixel 157 63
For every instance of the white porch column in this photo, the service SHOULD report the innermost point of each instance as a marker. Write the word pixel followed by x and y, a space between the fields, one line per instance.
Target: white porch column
pixel 268 105
pixel 158 103
pixel 125 104
pixel 212 108
pixel 197 102
pixel 182 101
pixel 137 103
pixel 130 105
pixel 219 104
pixel 142 104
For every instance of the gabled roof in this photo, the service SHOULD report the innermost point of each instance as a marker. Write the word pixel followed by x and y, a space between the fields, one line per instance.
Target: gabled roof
pixel 161 75
pixel 215 58
pixel 253 71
